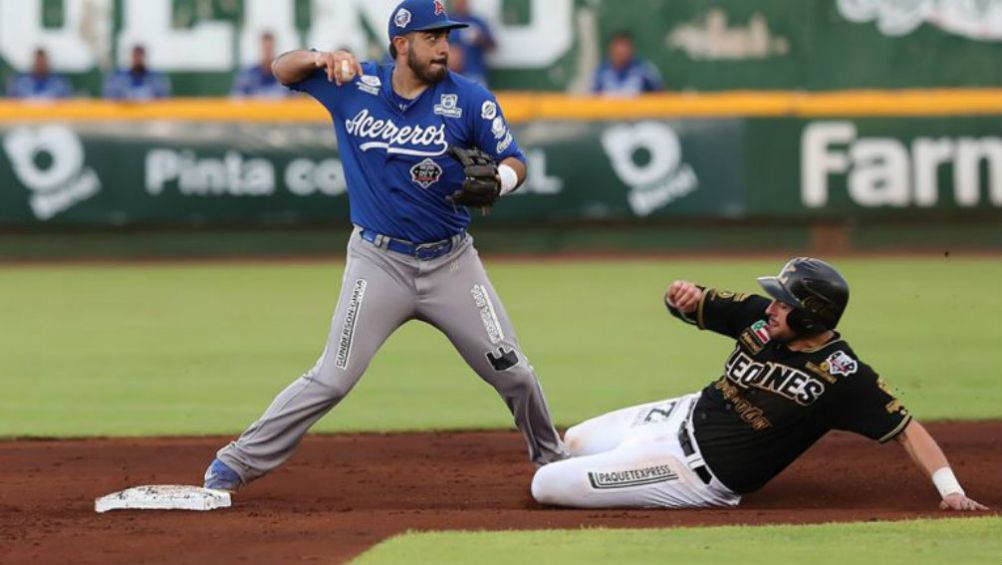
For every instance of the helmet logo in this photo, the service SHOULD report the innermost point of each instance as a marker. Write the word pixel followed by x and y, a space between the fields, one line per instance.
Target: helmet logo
pixel 819 306
pixel 439 8
pixel 784 276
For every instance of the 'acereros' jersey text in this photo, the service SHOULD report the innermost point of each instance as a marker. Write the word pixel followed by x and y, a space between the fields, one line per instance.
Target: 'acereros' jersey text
pixel 395 150
pixel 385 134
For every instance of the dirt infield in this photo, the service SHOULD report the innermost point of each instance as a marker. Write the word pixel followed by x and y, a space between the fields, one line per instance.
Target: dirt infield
pixel 341 494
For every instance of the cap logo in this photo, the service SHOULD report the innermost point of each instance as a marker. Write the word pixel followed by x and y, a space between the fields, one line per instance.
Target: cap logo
pixel 403 18
pixel 439 8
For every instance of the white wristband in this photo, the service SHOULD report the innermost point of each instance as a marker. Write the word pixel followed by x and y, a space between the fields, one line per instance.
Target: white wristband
pixel 509 178
pixel 946 482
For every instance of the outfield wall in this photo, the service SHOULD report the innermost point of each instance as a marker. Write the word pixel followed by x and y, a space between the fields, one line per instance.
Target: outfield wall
pixel 745 156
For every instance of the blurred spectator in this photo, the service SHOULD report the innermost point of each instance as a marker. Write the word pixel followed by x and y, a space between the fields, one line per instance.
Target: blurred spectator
pixel 137 82
pixel 472 43
pixel 40 83
pixel 257 81
pixel 457 59
pixel 623 73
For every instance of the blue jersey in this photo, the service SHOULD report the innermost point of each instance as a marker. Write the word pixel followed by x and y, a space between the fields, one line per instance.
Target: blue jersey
pixel 126 85
pixel 48 87
pixel 636 78
pixel 258 82
pixel 394 150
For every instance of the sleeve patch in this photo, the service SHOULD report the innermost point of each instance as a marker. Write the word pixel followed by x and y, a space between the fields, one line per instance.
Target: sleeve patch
pixel 488 110
pixel 755 338
pixel 839 364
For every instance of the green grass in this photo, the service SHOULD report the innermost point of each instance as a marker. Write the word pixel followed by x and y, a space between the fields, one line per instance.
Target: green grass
pixel 197 349
pixel 933 542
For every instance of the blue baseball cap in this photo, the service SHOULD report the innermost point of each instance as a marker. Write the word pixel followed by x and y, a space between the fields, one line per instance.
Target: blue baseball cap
pixel 420 15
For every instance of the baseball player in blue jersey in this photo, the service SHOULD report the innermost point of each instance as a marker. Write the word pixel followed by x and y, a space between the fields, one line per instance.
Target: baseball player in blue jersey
pixel 419 145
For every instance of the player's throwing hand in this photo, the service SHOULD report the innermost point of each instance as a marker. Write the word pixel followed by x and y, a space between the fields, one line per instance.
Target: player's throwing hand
pixel 684 296
pixel 340 66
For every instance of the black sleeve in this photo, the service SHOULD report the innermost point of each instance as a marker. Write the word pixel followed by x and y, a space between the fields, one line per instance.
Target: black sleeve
pixel 867 406
pixel 687 318
pixel 724 312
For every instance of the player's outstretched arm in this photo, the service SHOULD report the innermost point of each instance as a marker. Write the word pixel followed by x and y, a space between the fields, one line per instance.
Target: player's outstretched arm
pixel 926 453
pixel 683 296
pixel 295 66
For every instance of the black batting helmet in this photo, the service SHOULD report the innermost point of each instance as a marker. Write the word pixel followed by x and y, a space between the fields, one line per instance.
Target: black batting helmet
pixel 815 290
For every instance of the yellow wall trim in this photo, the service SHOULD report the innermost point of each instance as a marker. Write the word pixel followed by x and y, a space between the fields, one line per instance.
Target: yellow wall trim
pixel 521 107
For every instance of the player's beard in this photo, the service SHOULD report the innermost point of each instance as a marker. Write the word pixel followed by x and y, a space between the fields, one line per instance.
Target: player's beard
pixel 782 337
pixel 424 72
pixel 785 335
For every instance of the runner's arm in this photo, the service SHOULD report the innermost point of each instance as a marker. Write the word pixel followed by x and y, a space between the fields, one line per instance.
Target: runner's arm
pixel 925 452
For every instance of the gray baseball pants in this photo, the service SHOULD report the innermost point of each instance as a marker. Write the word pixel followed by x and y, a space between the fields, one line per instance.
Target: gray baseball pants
pixel 382 290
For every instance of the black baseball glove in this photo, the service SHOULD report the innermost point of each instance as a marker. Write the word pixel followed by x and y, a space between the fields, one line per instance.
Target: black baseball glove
pixel 481 188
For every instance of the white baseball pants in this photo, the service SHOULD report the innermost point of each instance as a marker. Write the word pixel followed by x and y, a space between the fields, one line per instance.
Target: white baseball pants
pixel 633 458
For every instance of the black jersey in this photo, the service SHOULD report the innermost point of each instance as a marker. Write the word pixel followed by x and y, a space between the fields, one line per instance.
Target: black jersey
pixel 771 404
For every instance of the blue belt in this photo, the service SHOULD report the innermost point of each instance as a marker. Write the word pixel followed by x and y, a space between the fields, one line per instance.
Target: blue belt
pixel 420 251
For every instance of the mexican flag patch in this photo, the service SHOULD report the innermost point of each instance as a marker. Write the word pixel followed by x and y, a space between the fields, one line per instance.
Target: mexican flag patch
pixel 760 332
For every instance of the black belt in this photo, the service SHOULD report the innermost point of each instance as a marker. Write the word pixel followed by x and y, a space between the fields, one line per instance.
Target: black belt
pixel 683 439
pixel 421 251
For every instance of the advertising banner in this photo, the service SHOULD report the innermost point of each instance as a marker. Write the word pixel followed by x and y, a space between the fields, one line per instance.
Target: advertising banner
pixel 130 173
pixel 230 173
pixel 895 167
